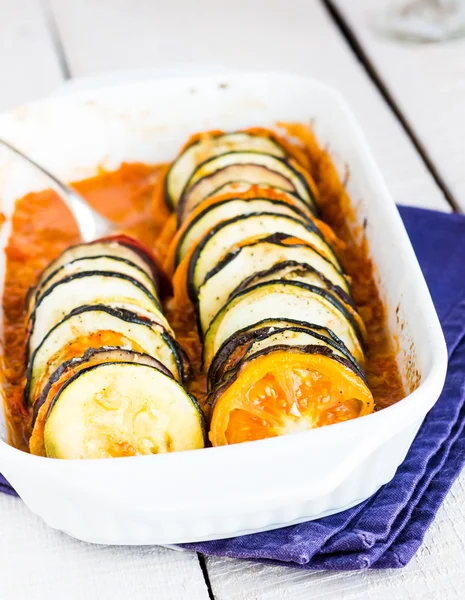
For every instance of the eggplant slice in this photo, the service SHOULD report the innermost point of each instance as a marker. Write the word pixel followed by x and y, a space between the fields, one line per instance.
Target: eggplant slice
pixel 239 344
pixel 283 300
pixel 241 265
pixel 220 239
pixel 117 246
pixel 227 209
pixel 282 390
pixel 122 409
pixel 108 263
pixel 292 270
pixel 207 147
pixel 252 167
pixel 82 289
pixel 97 326
pixel 284 337
pixel 242 187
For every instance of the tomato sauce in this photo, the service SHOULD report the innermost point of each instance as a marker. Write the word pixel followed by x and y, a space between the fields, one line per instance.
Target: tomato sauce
pixel 42 228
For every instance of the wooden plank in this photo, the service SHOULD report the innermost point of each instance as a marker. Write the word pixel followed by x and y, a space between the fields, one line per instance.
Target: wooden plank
pixel 29 67
pixel 437 571
pixel 426 82
pixel 39 562
pixel 128 35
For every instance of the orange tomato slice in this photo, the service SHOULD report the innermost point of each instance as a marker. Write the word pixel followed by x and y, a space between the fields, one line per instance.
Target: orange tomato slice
pixel 286 392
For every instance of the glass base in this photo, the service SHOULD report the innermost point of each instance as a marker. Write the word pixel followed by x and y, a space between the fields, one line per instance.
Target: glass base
pixel 424 21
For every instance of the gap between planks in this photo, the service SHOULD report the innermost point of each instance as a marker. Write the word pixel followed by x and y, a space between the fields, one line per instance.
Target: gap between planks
pixel 206 576
pixel 350 36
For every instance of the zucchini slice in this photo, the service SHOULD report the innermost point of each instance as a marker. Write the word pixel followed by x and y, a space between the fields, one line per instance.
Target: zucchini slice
pixel 250 167
pixel 120 246
pixel 244 262
pixel 242 187
pixel 98 287
pixel 219 240
pixel 281 391
pixel 284 300
pixel 226 209
pixel 97 326
pixel 287 271
pixel 292 270
pixel 92 356
pixel 268 332
pixel 207 147
pixel 122 409
pixel 108 263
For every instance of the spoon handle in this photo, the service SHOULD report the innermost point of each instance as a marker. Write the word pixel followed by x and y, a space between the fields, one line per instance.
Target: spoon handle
pixel 90 223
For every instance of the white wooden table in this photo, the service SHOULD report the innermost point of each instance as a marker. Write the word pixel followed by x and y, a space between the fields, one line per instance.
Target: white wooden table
pixel 42 44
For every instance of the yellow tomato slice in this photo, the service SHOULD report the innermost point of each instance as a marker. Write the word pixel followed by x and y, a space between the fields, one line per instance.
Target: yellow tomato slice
pixel 284 392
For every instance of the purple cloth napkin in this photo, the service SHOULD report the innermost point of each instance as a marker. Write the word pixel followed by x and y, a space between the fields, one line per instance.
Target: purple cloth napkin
pixel 386 530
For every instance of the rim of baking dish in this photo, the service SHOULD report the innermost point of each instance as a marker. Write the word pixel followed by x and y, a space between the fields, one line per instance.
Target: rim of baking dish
pixel 399 415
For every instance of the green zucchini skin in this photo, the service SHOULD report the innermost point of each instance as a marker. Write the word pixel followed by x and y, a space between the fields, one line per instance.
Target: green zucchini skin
pixel 123 241
pixel 291 287
pixel 191 290
pixel 121 365
pixel 182 362
pixel 303 267
pixel 239 139
pixel 287 270
pixel 182 206
pixel 225 189
pixel 36 292
pixel 312 288
pixel 245 338
pixel 278 203
pixel 145 255
pixel 275 238
pixel 85 276
pixel 81 361
pixel 223 385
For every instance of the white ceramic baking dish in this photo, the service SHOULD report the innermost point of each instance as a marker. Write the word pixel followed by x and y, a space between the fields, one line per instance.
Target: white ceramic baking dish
pixel 227 491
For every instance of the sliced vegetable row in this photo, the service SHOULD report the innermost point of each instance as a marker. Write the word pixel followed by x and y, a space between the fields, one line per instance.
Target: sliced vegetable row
pixel 105 372
pixel 283 343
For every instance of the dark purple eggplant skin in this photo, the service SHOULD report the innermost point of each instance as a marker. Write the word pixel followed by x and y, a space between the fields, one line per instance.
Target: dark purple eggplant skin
pixel 84 275
pixel 246 338
pixel 137 248
pixel 182 199
pixel 197 218
pixel 169 200
pixel 93 367
pixel 223 385
pixel 304 267
pixel 36 290
pixel 147 258
pixel 182 360
pixel 311 207
pixel 310 226
pixel 312 288
pixel 274 238
pixel 74 362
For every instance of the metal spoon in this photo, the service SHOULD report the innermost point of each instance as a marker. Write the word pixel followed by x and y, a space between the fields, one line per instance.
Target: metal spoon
pixel 91 224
